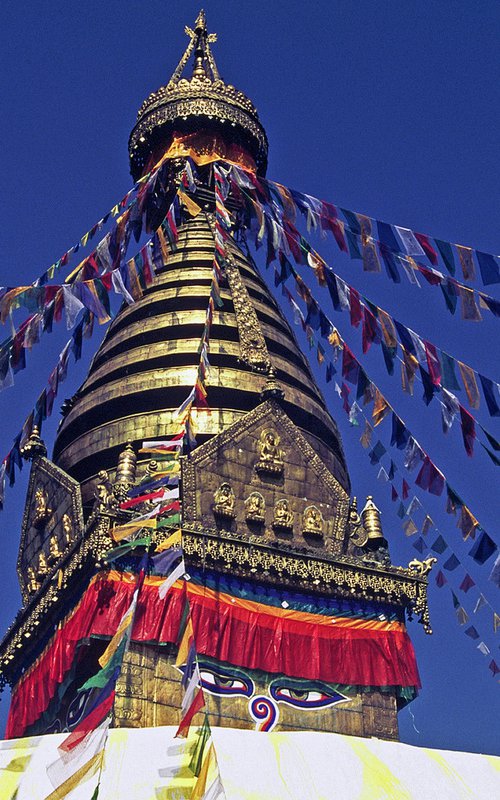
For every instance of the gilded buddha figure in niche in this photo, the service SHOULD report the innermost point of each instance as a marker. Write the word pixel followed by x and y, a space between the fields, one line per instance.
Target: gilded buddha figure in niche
pixel 43 567
pixel 270 453
pixel 54 552
pixel 224 501
pixel 33 584
pixel 67 528
pixel 42 510
pixel 312 521
pixel 255 507
pixel 283 516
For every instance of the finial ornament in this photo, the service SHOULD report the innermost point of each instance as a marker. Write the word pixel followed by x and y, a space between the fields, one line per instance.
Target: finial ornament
pixel 199 43
pixel 272 389
pixel 34 445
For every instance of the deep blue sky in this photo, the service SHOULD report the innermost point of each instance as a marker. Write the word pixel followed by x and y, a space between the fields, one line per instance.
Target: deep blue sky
pixel 387 108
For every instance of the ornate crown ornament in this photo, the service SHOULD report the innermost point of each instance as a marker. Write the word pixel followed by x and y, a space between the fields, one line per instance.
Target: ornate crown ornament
pixel 204 100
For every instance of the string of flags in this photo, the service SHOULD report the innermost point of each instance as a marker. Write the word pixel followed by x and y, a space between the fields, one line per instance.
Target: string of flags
pixel 407 513
pixel 429 477
pixel 143 187
pixel 45 402
pixel 436 368
pixel 394 244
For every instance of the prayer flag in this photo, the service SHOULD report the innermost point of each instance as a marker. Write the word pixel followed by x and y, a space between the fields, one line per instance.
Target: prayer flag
pixel 466 262
pixel 472 632
pixel 480 603
pixel 467 583
pixel 470 384
pixel 488 266
pixel 483 548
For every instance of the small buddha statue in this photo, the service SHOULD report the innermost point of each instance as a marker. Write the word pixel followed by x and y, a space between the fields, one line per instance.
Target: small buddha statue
pixel 43 566
pixel 42 510
pixel 33 584
pixel 224 501
pixel 67 528
pixel 255 507
pixel 54 551
pixel 271 455
pixel 283 516
pixel 105 498
pixel 312 521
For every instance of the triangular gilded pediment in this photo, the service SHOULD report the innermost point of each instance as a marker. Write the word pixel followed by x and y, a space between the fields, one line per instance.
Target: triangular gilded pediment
pixel 261 480
pixel 53 519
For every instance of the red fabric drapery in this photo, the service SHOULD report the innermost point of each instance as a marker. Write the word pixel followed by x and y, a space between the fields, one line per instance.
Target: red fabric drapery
pixel 245 633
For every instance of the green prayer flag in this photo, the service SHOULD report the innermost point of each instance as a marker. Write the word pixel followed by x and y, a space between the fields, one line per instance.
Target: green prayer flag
pixel 101 678
pixel 127 547
pixel 199 750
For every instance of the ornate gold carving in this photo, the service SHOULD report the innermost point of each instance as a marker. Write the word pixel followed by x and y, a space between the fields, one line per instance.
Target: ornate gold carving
pixel 283 516
pixel 312 521
pixel 42 510
pixel 54 551
pixel 224 501
pixel 33 584
pixel 342 576
pixel 67 528
pixel 255 507
pixel 106 500
pixel 266 411
pixel 357 534
pixel 422 568
pixel 271 455
pixel 253 347
pixel 43 567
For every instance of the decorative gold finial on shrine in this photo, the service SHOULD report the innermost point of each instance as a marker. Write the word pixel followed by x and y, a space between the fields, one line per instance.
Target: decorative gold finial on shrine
pixel 34 446
pixel 272 389
pixel 371 520
pixel 126 467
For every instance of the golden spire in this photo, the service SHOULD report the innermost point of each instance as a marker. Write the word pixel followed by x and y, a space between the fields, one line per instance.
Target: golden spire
pixel 199 43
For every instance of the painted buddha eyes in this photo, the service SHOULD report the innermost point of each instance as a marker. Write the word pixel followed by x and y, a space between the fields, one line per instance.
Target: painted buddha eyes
pixel 225 682
pixel 307 696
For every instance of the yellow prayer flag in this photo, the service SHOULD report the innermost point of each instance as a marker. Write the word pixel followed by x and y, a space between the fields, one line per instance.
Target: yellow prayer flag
pixel 470 384
pixel 69 278
pixel 122 531
pixel 86 771
pixel 380 408
pixel 173 540
pixel 193 207
pixel 201 783
pixel 496 621
pixel 182 653
pixel 116 640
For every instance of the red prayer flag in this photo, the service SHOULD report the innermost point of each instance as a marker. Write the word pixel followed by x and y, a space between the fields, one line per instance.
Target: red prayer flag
pixel 424 241
pixel 355 306
pixel 196 705
pixel 468 430
pixel 433 363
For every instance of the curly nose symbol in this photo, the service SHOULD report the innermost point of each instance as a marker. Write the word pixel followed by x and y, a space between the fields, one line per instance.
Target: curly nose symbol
pixel 265 712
